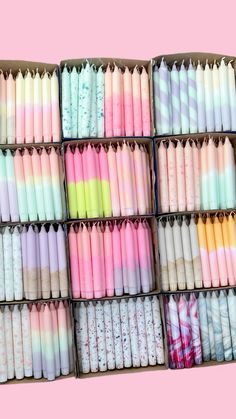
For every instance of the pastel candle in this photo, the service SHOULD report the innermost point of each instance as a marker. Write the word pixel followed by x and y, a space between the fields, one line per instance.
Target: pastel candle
pixel 87 100
pixel 209 104
pixel 55 110
pixel 175 331
pixel 217 328
pixel 47 185
pixel 128 186
pixel 145 101
pixel 108 103
pixel 79 183
pixel 3 109
pixel 171 257
pixel 29 184
pixel 140 184
pixel 47 112
pixel 100 93
pixel 55 338
pixel 113 181
pixel 97 248
pixel 197 268
pixel 128 103
pixel 17 265
pixel 179 256
pixel 231 299
pixel 221 175
pixel 175 99
pixel 32 278
pixel 49 347
pixel 142 336
pixel 224 95
pixel 192 96
pixel 137 104
pixel 8 268
pixel 66 103
pixel 20 108
pixel 220 250
pixel 116 249
pixel 196 170
pixel 36 344
pixel 92 333
pixel 163 258
pixel 38 184
pixel 80 102
pixel 86 262
pixel 232 96
pixel 156 92
pixel 180 174
pixel 38 108
pixel 202 310
pixel 152 360
pixel 126 343
pixel 4 203
pixel 187 252
pixel 82 337
pixel 232 241
pixel 63 339
pixel 210 326
pixel 194 319
pixel 157 324
pixel 100 329
pixel 9 342
pixel 56 183
pixel 216 98
pixel 53 262
pixel 184 100
pixel 163 177
pixel 189 175
pixel 204 177
pixel 29 107
pixel 74 263
pixel 186 331
pixel 26 338
pixel 133 326
pixel 3 351
pixel 106 192
pixel 211 246
pixel 230 174
pixel 225 324
pixel 44 263
pixel 11 109
pixel 212 175
pixel 74 94
pixel 93 118
pixel 70 182
pixel 202 239
pixel 62 263
pixel 172 182
pixel 17 343
pixel 164 98
pixel 11 186
pixel 108 260
pixel 229 262
pixel 200 98
pixel 2 279
pixel 116 101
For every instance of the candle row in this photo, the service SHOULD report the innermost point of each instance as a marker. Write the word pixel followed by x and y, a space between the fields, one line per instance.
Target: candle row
pixel 31 185
pixel 194 175
pixel 193 98
pixel 105 104
pixel 32 263
pixel 35 341
pixel 201 329
pixel 29 111
pixel 197 252
pixel 108 259
pixel 108 181
pixel 119 334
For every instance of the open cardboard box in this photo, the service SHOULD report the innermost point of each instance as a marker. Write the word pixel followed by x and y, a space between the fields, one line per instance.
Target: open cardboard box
pixel 147 142
pixel 178 58
pixel 153 225
pixel 200 137
pixel 14 66
pixel 121 63
pixel 79 374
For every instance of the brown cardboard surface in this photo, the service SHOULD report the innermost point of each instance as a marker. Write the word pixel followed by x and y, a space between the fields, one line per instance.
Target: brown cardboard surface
pixel 145 141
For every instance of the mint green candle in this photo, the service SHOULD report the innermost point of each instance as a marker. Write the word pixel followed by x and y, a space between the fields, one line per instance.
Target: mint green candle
pixel 66 103
pixel 74 88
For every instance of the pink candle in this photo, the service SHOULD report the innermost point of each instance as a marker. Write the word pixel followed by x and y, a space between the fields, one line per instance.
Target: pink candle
pixel 197 173
pixel 128 184
pixel 130 259
pixel 145 103
pixel 20 108
pixel 128 103
pixel 164 205
pixel 85 237
pixel 113 180
pixel 143 258
pixel 47 116
pixel 117 260
pixel 3 109
pixel 140 176
pixel 38 109
pixel 108 258
pixel 180 174
pixel 116 101
pixel 172 182
pixel 11 109
pixel 79 183
pixel 189 176
pixel 108 103
pixel 119 165
pixel 74 263
pixel 70 181
pixel 97 262
pixel 137 108
pixel 124 258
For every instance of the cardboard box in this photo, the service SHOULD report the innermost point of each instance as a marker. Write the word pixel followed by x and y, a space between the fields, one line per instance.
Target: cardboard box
pixel 153 224
pixel 200 137
pixel 145 141
pixel 79 374
pixel 178 58
pixel 14 66
pixel 121 63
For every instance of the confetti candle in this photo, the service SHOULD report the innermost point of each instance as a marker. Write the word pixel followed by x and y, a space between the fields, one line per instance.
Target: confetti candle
pixel 66 103
pixel 100 91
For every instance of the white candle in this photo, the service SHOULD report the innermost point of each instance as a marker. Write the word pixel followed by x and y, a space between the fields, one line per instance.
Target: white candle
pixel 11 109
pixel 56 127
pixel 3 110
pixel 216 98
pixel 209 98
pixel 200 98
pixel 20 108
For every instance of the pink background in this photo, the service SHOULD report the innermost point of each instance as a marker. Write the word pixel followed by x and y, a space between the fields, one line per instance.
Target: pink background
pixel 50 31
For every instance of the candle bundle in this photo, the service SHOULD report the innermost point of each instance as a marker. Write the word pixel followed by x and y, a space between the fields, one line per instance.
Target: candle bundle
pixel 119 334
pixel 197 252
pixel 105 181
pixel 32 263
pixel 192 99
pixel 35 341
pixel 31 185
pixel 29 111
pixel 194 175
pixel 110 103
pixel 180 261
pixel 108 259
pixel 201 329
